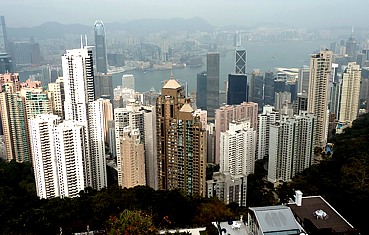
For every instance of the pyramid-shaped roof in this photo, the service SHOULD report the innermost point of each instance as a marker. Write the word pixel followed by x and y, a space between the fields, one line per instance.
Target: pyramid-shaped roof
pixel 172 84
pixel 186 108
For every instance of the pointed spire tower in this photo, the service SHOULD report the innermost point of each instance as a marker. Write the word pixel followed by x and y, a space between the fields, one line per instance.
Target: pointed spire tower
pixel 179 139
pixel 241 57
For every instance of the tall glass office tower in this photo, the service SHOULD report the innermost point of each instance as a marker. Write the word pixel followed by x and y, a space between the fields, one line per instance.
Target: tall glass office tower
pixel 3 36
pixel 100 47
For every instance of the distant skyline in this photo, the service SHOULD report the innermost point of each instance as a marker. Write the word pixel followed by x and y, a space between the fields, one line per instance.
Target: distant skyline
pixel 301 13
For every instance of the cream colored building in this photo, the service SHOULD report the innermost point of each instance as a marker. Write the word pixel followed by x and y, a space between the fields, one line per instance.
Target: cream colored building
pixel 132 159
pixel 228 113
pixel 349 105
pixel 320 71
pixel 55 94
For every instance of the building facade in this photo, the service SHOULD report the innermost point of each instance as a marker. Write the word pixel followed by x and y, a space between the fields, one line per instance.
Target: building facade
pixel 349 105
pixel 42 134
pixel 226 114
pixel 100 47
pixel 320 71
pixel 133 159
pixel 237 89
pixel 181 142
pixel 237 149
pixel 212 84
pixel 291 147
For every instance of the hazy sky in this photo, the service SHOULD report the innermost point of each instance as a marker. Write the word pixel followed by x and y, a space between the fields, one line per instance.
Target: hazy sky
pixel 304 13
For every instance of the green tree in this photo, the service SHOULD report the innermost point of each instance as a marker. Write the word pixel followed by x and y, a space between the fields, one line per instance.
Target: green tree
pixel 131 223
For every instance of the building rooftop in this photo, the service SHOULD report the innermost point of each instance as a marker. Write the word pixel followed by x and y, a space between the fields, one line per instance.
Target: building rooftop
pixel 236 228
pixel 172 84
pixel 275 219
pixel 186 108
pixel 321 214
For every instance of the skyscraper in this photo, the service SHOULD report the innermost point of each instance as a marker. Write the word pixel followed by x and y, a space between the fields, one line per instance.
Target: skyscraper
pixel 100 47
pixel 291 146
pixel 226 114
pixel 142 118
pixel 237 89
pixel 320 71
pixel 104 86
pixel 3 36
pixel 6 63
pixel 303 80
pixel 349 106
pixel 80 106
pixel 133 156
pixel 15 124
pixel 241 60
pixel 266 118
pixel 42 133
pixel 212 84
pixel 36 102
pixel 237 149
pixel 256 88
pixel 55 94
pixel 201 92
pixel 181 142
pixel 71 156
pixel 128 81
pixel 96 127
pixel 269 88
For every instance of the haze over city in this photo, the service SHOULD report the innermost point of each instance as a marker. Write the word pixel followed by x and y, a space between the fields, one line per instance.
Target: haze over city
pixel 302 13
pixel 159 117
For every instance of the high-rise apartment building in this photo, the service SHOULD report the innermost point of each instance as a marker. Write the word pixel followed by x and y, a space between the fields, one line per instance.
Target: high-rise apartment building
pixel 291 146
pixel 133 157
pixel 42 133
pixel 142 118
pixel 96 126
pixel 100 47
pixel 268 117
pixel 55 93
pixel 15 124
pixel 226 114
pixel 71 156
pixel 320 71
pixel 212 84
pixel 349 105
pixel 80 106
pixel 237 149
pixel 237 89
pixel 181 142
pixel 36 101
pixel 282 99
pixel 303 80
pixel 78 76
pixel 228 188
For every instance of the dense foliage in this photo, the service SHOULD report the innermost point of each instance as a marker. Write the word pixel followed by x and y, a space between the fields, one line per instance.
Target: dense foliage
pixel 22 212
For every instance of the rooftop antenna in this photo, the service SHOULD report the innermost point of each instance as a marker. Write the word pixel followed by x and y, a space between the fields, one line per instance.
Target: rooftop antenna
pixel 86 40
pixel 352 31
pixel 81 42
pixel 171 70
pixel 239 40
